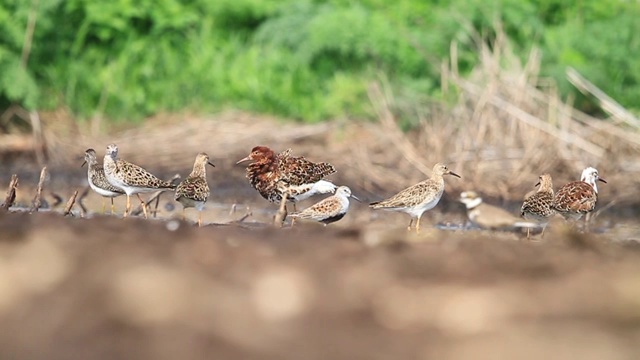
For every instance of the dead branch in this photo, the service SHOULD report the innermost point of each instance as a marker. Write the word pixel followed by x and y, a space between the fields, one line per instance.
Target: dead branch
pixel 244 217
pixel 57 199
pixel 72 200
pixel 83 194
pixel 155 209
pixel 565 110
pixel 533 121
pixel 11 193
pixel 36 200
pixel 606 103
pixel 156 196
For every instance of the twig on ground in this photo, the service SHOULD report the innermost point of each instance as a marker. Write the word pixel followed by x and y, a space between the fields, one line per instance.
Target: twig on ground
pixel 155 209
pixel 83 194
pixel 72 200
pixel 11 193
pixel 244 217
pixel 156 196
pixel 36 200
pixel 57 199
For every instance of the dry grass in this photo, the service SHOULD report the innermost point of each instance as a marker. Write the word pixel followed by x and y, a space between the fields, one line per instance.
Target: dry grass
pixel 508 127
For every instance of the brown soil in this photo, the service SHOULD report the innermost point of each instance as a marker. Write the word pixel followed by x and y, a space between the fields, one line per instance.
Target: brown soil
pixel 107 288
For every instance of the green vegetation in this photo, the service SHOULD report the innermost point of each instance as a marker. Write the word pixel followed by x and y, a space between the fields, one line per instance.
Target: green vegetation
pixel 304 59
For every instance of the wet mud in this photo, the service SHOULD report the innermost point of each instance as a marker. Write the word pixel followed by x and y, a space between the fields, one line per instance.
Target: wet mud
pixel 110 288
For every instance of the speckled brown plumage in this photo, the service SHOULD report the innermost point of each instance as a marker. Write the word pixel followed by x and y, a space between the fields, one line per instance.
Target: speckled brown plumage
pixel 274 174
pixel 131 178
pixel 417 199
pixel 575 199
pixel 193 191
pixel 578 198
pixel 539 206
pixel 328 210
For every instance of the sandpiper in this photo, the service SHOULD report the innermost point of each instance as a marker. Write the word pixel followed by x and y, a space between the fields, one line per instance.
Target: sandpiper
pixel 330 209
pixel 490 217
pixel 193 191
pixel 578 198
pixel 539 206
pixel 276 175
pixel 131 178
pixel 98 181
pixel 417 199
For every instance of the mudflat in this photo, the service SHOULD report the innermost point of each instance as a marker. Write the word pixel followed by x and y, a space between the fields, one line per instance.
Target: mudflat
pixel 107 288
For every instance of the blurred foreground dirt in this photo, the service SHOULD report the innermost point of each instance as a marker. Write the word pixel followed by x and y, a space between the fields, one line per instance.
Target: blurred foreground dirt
pixel 107 288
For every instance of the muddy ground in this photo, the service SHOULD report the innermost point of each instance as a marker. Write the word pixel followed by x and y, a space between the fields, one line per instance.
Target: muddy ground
pixel 108 288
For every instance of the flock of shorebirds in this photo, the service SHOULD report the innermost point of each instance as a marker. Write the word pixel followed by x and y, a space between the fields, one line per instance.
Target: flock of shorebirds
pixel 282 177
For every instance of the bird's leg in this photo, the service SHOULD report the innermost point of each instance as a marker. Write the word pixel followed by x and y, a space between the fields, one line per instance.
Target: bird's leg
pixel 543 229
pixel 126 210
pixel 199 218
pixel 293 220
pixel 418 225
pixel 144 205
pixel 184 217
pixel 409 227
pixel 282 211
pixel 103 206
pixel 113 209
pixel 528 233
pixel 587 219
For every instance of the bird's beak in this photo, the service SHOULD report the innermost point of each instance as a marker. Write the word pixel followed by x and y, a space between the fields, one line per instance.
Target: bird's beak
pixel 244 159
pixel 84 162
pixel 603 180
pixel 454 174
pixel 210 163
pixel 537 184
pixel 356 198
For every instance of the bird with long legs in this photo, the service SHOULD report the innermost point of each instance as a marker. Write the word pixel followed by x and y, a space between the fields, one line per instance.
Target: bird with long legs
pixel 131 178
pixel 418 198
pixel 194 191
pixel 98 181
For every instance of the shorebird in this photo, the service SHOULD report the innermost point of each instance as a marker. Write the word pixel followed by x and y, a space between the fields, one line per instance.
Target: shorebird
pixel 193 191
pixel 280 177
pixel 98 181
pixel 488 216
pixel 578 198
pixel 539 206
pixel 330 209
pixel 131 178
pixel 417 199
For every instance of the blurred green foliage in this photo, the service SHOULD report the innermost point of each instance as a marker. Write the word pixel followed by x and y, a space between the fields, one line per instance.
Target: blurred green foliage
pixel 305 59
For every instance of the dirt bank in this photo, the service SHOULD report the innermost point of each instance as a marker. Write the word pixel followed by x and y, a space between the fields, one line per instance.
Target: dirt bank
pixel 106 288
